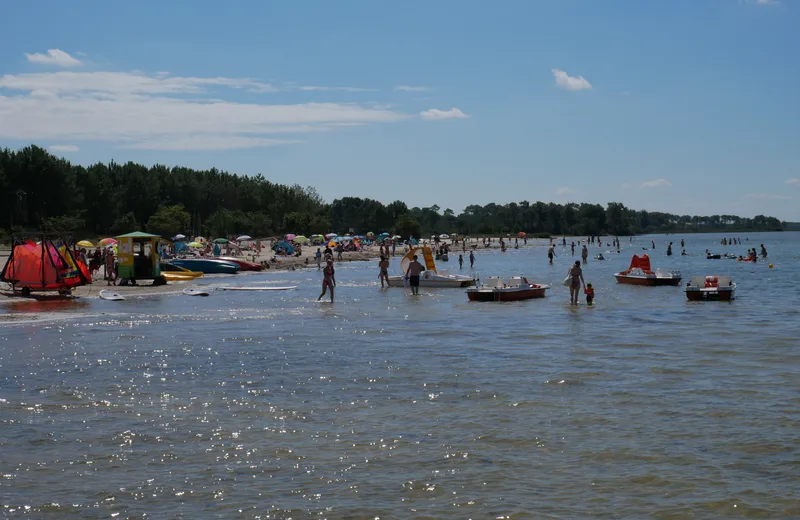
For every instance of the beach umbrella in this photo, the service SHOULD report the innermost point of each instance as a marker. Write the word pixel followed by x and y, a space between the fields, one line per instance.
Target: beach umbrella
pixel 243 237
pixel 384 234
pixel 300 239
pixel 106 242
pixel 444 235
pixel 331 244
pixel 290 237
pixel 194 244
pixel 201 239
pixel 370 235
pixel 521 234
pixel 396 237
pixel 178 237
pixel 330 235
pixel 85 243
pixel 220 240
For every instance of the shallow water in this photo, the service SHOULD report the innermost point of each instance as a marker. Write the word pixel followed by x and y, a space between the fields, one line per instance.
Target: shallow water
pixel 271 405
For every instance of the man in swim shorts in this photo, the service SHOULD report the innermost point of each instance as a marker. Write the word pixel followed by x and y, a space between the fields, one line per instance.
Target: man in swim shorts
pixel 414 270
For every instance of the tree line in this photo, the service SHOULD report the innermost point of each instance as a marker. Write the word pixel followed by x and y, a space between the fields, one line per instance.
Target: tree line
pixel 42 192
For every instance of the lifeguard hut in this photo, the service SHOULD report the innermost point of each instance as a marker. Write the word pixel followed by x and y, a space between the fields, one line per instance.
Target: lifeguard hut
pixel 139 257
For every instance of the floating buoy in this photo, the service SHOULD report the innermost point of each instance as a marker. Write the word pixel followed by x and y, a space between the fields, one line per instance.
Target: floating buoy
pixel 770 266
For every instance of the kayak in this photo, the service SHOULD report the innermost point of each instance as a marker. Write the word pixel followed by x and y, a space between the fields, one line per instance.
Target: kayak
pixel 207 265
pixel 241 288
pixel 244 265
pixel 181 277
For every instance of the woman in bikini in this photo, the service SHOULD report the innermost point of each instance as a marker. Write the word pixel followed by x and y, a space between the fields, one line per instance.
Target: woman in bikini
pixel 327 281
pixel 577 280
pixel 383 265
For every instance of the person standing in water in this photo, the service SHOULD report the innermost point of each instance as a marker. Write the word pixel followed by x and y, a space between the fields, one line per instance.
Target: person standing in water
pixel 577 280
pixel 669 249
pixel 318 258
pixel 573 248
pixel 584 254
pixel 414 270
pixel 327 280
pixel 471 259
pixel 383 272
pixel 551 253
pixel 763 251
pixel 460 261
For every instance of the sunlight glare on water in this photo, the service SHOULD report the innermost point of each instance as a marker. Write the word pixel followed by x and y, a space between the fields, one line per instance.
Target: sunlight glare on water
pixel 271 405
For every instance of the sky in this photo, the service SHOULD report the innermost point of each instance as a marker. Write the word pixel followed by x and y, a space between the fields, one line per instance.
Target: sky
pixel 683 106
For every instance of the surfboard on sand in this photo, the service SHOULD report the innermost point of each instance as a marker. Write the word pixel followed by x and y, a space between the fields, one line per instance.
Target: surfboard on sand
pixel 242 288
pixel 111 295
pixel 194 292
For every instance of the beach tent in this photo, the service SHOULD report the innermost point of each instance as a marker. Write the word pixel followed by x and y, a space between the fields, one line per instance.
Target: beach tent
pixel 300 239
pixel 286 246
pixel 330 235
pixel 43 267
pixel 317 239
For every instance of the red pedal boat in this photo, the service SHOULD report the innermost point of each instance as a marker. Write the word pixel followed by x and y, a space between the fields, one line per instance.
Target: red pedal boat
pixel 710 288
pixel 639 273
pixel 517 288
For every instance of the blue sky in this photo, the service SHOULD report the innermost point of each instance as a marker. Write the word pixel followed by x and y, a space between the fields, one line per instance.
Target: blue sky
pixel 686 106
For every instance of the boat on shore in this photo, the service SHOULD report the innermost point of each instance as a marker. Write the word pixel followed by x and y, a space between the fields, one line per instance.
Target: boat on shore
pixel 640 273
pixel 496 290
pixel 719 288
pixel 244 265
pixel 207 265
pixel 431 277
pixel 174 273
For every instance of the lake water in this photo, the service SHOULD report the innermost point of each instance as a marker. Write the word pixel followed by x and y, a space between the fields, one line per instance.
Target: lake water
pixel 384 405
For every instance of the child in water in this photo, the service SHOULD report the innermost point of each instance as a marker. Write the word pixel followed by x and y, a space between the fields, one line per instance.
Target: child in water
pixel 589 292
pixel 460 261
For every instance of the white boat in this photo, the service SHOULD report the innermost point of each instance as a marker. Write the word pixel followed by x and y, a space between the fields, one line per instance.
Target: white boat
pixel 431 277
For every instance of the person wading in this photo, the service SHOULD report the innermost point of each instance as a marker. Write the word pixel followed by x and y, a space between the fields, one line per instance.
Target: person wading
pixel 577 280
pixel 414 270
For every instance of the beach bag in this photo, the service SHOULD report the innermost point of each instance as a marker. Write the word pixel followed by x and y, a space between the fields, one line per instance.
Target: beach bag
pixel 567 281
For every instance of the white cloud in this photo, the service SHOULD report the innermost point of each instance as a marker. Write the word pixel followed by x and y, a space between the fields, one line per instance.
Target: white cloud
pixel 64 148
pixel 765 196
pixel 55 57
pixel 136 110
pixel 565 190
pixel 406 88
pixel 435 113
pixel 793 181
pixel 314 88
pixel 766 2
pixel 568 82
pixel 656 183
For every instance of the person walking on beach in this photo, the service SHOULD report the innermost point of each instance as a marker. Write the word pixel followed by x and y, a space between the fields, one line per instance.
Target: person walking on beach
pixel 318 258
pixel 111 274
pixel 414 270
pixel 383 272
pixel 584 254
pixel 471 259
pixel 577 280
pixel 327 280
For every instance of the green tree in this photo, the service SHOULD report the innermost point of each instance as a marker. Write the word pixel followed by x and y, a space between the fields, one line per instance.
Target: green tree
pixel 125 224
pixel 408 226
pixel 169 220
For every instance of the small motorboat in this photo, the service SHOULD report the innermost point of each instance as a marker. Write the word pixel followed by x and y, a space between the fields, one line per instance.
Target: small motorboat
pixel 496 290
pixel 639 273
pixel 207 265
pixel 430 277
pixel 244 265
pixel 710 288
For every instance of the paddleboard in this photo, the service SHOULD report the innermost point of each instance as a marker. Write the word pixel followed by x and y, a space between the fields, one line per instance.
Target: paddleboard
pixel 194 292
pixel 235 288
pixel 111 295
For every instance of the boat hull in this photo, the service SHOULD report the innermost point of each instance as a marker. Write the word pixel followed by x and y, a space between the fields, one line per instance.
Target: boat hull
pixel 501 295
pixel 398 281
pixel 650 281
pixel 244 265
pixel 207 266
pixel 710 294
pixel 173 276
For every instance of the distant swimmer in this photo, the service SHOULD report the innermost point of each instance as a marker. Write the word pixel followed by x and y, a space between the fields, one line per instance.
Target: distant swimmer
pixel 683 253
pixel 600 257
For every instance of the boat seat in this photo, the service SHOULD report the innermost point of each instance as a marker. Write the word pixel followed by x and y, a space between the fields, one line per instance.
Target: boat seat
pixel 494 282
pixel 698 281
pixel 724 281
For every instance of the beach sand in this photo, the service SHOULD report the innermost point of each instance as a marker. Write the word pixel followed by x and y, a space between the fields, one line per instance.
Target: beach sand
pixel 304 261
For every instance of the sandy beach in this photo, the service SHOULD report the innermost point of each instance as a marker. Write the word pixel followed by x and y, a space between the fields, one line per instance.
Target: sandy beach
pixel 304 261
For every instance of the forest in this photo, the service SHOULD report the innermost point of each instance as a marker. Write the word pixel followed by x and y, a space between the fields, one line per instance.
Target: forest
pixel 42 192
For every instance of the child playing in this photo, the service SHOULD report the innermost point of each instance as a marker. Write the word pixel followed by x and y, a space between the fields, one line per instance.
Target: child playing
pixel 589 292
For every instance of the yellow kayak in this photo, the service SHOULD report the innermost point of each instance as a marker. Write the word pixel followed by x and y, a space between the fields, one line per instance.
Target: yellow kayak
pixel 181 276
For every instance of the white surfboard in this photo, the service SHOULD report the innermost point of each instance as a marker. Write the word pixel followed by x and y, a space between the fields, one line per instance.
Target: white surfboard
pixel 240 288
pixel 194 292
pixel 111 295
